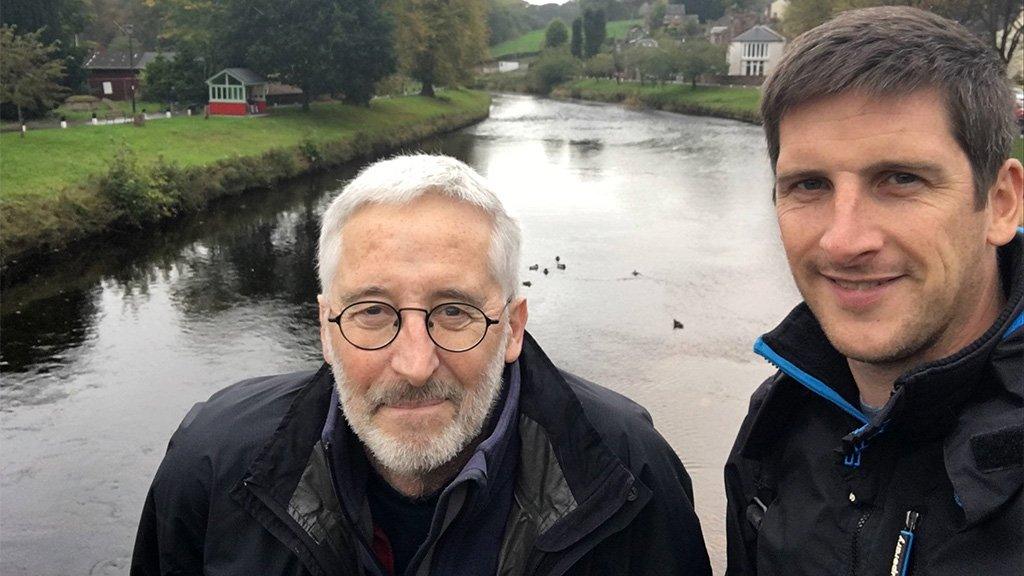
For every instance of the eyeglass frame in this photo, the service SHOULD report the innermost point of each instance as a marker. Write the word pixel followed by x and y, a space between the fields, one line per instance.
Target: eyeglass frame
pixel 488 322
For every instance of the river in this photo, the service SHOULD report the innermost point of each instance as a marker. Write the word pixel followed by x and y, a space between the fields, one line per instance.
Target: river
pixel 658 217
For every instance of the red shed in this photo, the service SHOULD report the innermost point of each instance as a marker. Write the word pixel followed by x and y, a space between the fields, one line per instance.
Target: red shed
pixel 237 92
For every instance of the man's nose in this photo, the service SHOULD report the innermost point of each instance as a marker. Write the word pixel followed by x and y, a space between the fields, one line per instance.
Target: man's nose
pixel 414 355
pixel 851 232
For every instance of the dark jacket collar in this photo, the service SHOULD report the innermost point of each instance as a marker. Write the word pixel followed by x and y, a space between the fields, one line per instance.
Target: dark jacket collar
pixel 972 393
pixel 604 494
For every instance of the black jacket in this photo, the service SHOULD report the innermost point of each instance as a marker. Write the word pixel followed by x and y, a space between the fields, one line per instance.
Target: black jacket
pixel 244 488
pixel 816 488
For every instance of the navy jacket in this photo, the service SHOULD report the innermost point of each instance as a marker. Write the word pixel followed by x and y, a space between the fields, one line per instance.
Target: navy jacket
pixel 245 488
pixel 930 486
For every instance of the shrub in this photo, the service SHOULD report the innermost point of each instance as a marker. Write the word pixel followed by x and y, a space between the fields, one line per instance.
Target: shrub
pixel 552 68
pixel 128 189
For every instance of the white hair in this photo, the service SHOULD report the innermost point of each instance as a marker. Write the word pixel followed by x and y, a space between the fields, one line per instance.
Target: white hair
pixel 401 180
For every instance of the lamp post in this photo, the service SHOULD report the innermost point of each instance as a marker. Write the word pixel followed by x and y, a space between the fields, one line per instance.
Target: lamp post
pixel 129 29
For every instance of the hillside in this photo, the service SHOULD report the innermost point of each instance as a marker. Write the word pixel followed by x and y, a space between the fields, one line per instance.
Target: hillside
pixel 533 41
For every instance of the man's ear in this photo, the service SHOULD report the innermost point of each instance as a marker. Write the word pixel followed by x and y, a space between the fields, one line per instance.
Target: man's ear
pixel 1006 203
pixel 324 312
pixel 517 315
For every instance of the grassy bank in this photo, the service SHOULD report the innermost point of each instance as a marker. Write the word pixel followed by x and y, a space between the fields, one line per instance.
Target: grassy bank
pixel 738 103
pixel 532 42
pixel 60 185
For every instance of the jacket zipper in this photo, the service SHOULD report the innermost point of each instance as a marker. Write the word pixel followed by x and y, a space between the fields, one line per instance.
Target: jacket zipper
pixel 854 544
pixel 355 528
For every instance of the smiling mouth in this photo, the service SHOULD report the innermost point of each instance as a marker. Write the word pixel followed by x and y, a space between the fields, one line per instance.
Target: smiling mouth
pixel 861 285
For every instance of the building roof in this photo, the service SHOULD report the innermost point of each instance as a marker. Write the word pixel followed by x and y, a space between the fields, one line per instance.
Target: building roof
pixel 245 75
pixel 760 33
pixel 675 10
pixel 119 60
pixel 717 29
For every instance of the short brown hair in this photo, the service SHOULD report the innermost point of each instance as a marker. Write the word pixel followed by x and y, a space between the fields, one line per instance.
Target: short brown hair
pixel 894 50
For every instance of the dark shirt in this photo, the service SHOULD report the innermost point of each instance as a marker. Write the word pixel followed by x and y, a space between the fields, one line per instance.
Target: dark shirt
pixel 404 521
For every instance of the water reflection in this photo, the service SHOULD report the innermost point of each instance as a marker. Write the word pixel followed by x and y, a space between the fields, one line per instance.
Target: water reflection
pixel 106 347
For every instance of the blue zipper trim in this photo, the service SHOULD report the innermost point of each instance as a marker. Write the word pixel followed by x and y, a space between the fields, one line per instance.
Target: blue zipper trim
pixel 906 553
pixel 809 382
pixel 1017 324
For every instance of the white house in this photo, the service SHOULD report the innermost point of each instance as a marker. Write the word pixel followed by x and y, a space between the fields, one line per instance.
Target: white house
pixel 755 52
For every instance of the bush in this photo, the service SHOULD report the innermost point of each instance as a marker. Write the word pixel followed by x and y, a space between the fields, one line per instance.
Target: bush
pixel 600 66
pixel 552 68
pixel 128 189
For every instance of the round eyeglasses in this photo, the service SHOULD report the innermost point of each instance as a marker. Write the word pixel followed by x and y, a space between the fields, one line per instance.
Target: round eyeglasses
pixel 453 326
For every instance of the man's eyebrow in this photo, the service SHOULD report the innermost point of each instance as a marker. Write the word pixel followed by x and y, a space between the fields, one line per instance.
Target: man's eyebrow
pixel 456 295
pixel 795 175
pixel 883 166
pixel 362 294
pixel 900 166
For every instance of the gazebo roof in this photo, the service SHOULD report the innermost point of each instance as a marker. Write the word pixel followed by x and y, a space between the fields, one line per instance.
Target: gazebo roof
pixel 244 75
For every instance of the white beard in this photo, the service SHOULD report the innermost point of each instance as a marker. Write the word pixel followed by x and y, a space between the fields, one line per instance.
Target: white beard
pixel 418 455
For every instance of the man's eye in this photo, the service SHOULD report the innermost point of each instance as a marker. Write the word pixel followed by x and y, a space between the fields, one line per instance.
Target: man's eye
pixel 810 184
pixel 453 311
pixel 902 178
pixel 372 310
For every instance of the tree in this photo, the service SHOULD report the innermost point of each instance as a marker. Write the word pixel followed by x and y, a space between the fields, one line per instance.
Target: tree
pixel 802 15
pixel 998 22
pixel 438 43
pixel 594 32
pixel 701 57
pixel 705 10
pixel 321 46
pixel 552 68
pixel 29 71
pixel 576 43
pixel 656 18
pixel 179 79
pixel 600 66
pixel 556 35
pixel 58 21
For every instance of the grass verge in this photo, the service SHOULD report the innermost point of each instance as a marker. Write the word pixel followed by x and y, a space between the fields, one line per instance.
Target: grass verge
pixel 57 186
pixel 737 103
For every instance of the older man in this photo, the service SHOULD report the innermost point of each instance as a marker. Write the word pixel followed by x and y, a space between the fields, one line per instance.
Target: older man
pixel 438 438
pixel 890 440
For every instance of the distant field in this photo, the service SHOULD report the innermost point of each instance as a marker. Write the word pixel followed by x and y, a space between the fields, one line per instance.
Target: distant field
pixel 533 41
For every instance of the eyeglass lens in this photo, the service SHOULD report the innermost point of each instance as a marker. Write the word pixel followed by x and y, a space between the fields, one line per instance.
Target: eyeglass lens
pixel 453 326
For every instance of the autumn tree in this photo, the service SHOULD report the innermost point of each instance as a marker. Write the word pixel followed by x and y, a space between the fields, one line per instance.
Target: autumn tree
pixel 29 72
pixel 438 43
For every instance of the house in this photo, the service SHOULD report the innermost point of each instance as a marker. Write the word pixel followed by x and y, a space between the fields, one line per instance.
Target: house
pixel 237 92
pixel 115 75
pixel 677 19
pixel 755 52
pixel 718 35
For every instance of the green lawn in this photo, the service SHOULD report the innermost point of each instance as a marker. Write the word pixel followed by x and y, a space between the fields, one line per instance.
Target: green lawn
pixel 46 161
pixel 533 41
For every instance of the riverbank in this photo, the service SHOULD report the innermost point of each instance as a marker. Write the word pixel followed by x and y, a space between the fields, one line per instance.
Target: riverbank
pixel 59 186
pixel 737 103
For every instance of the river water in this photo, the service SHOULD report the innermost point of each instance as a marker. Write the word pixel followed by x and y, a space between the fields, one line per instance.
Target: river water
pixel 105 348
